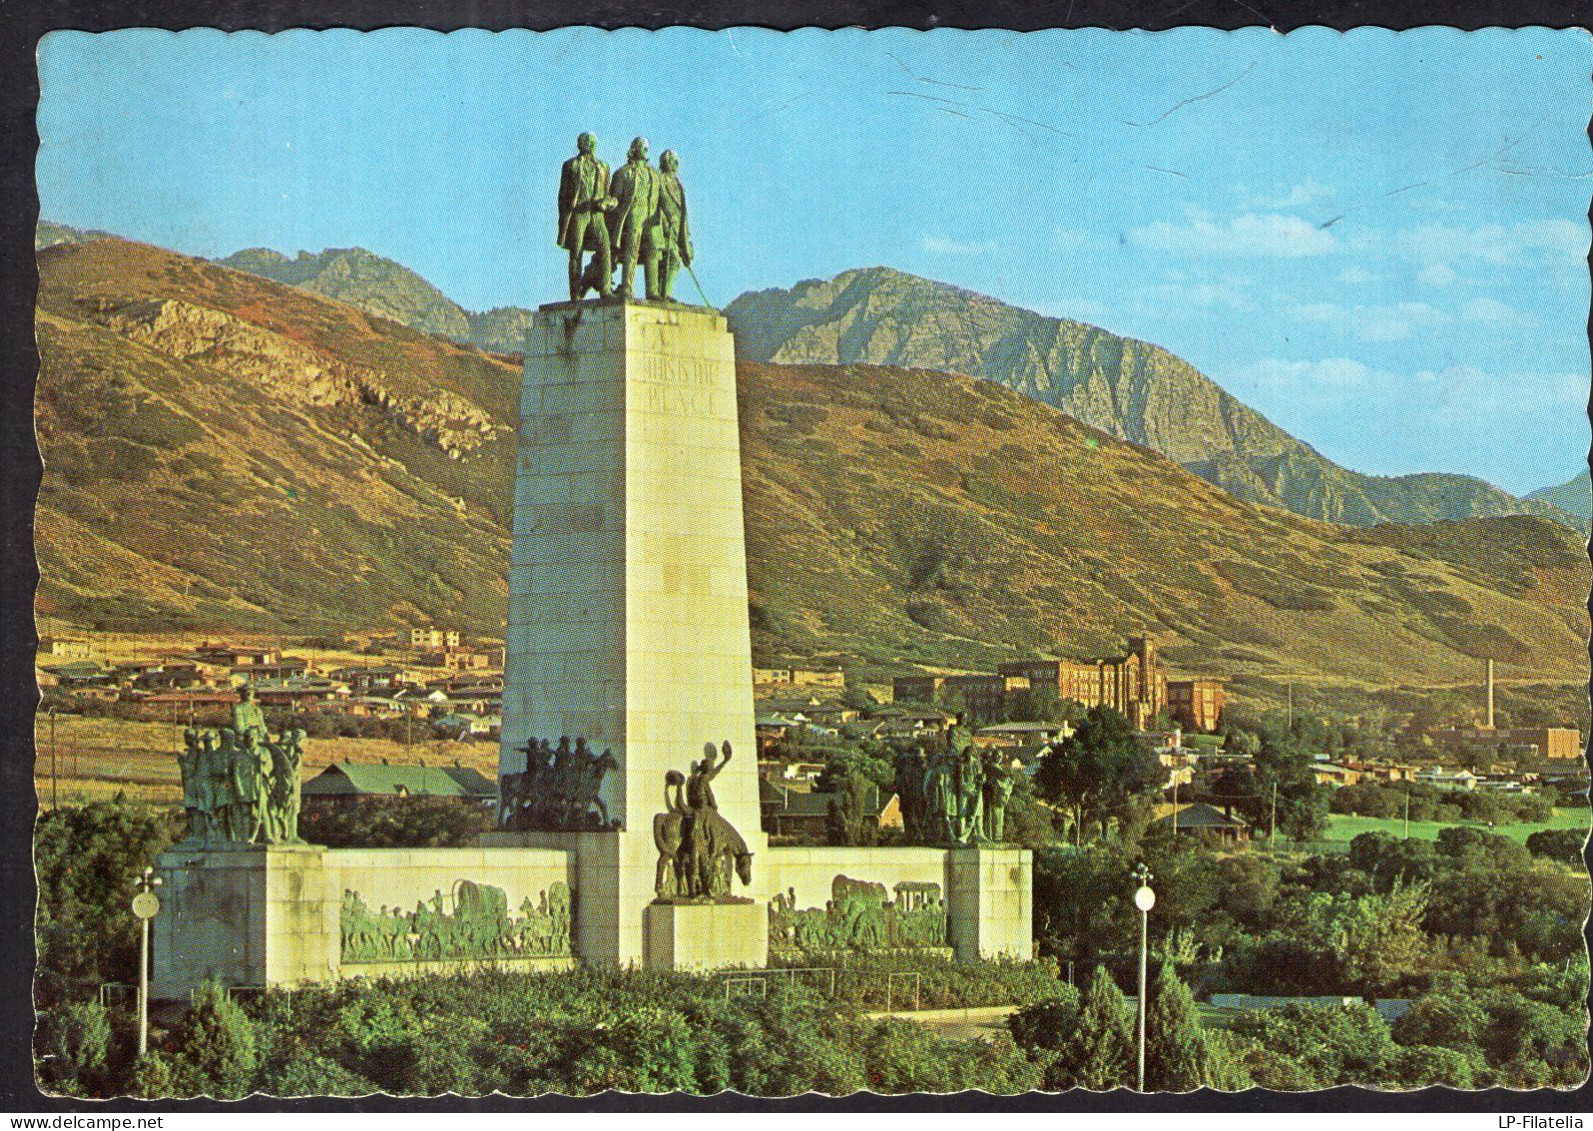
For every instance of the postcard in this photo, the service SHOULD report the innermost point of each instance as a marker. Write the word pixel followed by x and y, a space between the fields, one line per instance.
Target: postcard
pixel 811 563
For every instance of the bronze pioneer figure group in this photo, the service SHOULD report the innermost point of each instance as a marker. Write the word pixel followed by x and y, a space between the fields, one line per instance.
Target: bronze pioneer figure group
pixel 559 788
pixel 636 216
pixel 240 786
pixel 697 848
pixel 957 797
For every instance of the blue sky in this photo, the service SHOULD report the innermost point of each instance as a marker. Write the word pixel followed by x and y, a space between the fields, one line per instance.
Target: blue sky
pixel 1376 239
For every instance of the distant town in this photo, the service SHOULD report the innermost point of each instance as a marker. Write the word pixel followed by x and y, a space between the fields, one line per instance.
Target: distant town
pixel 429 684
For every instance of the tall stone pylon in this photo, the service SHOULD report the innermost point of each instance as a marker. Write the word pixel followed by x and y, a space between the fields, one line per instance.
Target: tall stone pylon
pixel 628 583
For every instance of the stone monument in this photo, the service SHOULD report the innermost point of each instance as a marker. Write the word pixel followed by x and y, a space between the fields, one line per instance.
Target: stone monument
pixel 628 588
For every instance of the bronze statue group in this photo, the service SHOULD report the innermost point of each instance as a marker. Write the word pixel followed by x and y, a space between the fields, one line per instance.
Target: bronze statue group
pixel 477 926
pixel 558 789
pixel 958 797
pixel 636 216
pixel 697 848
pixel 240 786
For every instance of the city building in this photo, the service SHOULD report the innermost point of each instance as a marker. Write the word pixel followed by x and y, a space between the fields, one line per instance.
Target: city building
pixel 1133 683
pixel 832 678
pixel 982 694
pixel 1203 818
pixel 64 648
pixel 1196 703
pixel 1526 742
pixel 433 638
pixel 344 782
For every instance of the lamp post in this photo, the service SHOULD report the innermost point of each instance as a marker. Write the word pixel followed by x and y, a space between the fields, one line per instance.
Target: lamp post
pixel 146 904
pixel 1144 899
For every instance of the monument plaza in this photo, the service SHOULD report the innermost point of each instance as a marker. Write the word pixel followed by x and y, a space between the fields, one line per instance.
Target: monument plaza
pixel 628 820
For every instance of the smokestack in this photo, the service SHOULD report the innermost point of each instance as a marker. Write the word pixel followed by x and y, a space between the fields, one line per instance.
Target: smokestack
pixel 1489 724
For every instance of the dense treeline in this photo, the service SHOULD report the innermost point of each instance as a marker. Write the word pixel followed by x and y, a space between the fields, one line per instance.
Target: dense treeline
pixel 1422 802
pixel 1382 919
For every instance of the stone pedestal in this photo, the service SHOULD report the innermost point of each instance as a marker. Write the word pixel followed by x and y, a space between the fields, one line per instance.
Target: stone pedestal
pixel 990 902
pixel 706 936
pixel 251 917
pixel 628 585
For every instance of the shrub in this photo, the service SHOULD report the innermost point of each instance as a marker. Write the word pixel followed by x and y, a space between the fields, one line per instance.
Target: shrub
pixel 1564 845
pixel 213 1047
pixel 1101 1054
pixel 1042 1030
pixel 74 1048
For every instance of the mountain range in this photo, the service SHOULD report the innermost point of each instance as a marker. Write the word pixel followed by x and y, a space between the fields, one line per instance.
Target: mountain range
pixel 381 286
pixel 1574 496
pixel 223 451
pixel 1130 389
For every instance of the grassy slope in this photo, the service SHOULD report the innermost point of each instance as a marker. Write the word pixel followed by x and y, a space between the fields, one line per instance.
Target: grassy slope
pixel 907 517
pixel 895 517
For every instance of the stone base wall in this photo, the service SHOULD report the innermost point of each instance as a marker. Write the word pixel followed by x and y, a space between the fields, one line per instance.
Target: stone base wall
pixel 706 936
pixel 988 892
pixel 281 916
pixel 274 916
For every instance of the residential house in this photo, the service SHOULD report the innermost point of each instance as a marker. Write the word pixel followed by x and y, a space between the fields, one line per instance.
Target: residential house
pixel 1201 818
pixel 65 648
pixel 344 782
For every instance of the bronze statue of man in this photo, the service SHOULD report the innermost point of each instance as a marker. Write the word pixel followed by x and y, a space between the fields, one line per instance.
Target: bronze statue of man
pixel 584 203
pixel 674 234
pixel 635 186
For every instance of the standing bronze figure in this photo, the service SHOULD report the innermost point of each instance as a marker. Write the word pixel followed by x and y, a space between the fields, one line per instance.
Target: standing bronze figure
pixel 635 186
pixel 584 204
pixel 674 233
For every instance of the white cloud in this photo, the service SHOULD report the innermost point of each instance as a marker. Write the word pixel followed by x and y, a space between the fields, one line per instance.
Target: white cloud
pixel 1307 192
pixel 940 245
pixel 1457 395
pixel 1328 378
pixel 1357 276
pixel 1266 235
pixel 1438 275
pixel 1495 313
pixel 1493 244
pixel 1231 292
pixel 1390 323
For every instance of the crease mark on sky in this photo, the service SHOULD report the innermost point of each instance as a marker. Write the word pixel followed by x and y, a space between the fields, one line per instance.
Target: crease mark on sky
pixel 936 82
pixel 1199 97
pixel 1491 160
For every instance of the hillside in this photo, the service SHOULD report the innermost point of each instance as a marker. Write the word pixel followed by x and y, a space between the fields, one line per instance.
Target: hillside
pixel 221 450
pixel 225 451
pixel 46 234
pixel 1573 497
pixel 1128 389
pixel 381 286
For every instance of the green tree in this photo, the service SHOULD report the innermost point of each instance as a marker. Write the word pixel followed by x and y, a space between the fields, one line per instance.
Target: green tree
pixel 1043 1031
pixel 1101 1055
pixel 1564 845
pixel 1175 1050
pixel 85 859
pixel 1099 769
pixel 1379 938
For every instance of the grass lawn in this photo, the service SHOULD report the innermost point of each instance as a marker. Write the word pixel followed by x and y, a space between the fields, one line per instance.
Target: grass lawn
pixel 1342 826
